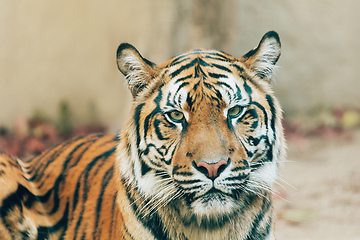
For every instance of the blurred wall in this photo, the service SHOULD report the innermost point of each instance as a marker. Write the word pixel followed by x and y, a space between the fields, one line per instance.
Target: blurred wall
pixel 65 49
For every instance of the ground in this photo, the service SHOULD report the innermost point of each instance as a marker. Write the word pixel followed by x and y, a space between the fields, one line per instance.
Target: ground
pixel 323 201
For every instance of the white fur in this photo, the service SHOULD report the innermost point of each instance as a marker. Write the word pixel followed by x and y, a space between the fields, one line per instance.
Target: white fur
pixel 136 70
pixel 268 52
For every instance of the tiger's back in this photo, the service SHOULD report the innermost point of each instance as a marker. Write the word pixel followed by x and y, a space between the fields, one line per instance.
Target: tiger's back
pixel 67 192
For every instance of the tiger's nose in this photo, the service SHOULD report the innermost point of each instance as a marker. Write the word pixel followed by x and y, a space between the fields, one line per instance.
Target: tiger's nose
pixel 212 170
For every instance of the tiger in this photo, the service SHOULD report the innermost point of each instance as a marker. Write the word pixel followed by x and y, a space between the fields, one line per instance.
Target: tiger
pixel 197 159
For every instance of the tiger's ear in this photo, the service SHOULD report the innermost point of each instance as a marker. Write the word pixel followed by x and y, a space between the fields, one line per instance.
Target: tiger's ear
pixel 137 70
pixel 262 59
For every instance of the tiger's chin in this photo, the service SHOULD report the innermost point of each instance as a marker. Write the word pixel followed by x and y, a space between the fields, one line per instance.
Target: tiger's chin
pixel 213 204
pixel 212 210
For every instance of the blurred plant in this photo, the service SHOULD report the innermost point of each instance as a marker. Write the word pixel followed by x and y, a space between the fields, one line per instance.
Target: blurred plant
pixel 323 123
pixel 350 119
pixel 297 216
pixel 93 112
pixel 32 136
pixel 64 124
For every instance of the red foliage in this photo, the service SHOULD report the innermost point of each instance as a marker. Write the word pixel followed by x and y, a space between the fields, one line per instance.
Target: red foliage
pixel 32 137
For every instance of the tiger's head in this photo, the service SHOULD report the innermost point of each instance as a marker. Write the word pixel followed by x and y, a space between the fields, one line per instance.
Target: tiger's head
pixel 205 134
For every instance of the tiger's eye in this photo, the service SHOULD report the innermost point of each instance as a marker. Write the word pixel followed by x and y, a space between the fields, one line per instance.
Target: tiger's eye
pixel 176 116
pixel 234 111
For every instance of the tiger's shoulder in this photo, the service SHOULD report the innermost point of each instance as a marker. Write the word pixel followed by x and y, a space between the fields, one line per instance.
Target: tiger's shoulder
pixel 63 188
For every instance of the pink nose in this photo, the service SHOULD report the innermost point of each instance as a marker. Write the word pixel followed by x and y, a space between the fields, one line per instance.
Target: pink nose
pixel 211 169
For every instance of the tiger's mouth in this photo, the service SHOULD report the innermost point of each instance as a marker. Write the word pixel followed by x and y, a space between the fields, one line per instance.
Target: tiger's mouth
pixel 214 194
pixel 215 198
pixel 218 190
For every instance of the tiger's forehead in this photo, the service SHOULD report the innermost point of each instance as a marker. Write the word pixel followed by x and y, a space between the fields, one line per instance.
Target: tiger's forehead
pixel 201 75
pixel 200 53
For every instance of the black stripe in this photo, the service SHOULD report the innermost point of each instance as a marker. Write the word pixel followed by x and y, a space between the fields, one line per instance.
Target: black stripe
pixel 256 232
pixel 186 181
pixel 39 167
pixel 238 94
pixel 198 71
pixel 193 188
pixel 218 54
pixel 137 122
pixel 254 125
pixel 127 232
pixel 239 168
pixel 144 167
pixel 105 181
pixel 248 153
pixel 249 115
pixel 222 59
pixel 174 149
pixel 55 189
pixel 84 177
pixel 273 113
pixel 15 200
pixel 222 67
pixel 204 54
pixel 195 62
pixel 264 112
pixel 153 113
pixel 183 78
pixel 255 141
pixel 182 68
pixel 240 69
pixel 113 224
pixel 240 177
pixel 157 123
pixel 70 157
pixel 179 88
pixel 247 88
pixel 217 75
pixel 269 154
pixel 223 84
pixel 179 59
pixel 54 154
pixel 62 223
pixel 201 62
pixel 183 173
pixel 162 174
pixel 39 171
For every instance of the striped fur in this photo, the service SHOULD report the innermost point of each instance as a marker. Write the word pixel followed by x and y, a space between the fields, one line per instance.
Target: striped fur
pixel 197 159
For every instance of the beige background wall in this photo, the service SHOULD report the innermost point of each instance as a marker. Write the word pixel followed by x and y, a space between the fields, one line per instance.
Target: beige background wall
pixel 65 49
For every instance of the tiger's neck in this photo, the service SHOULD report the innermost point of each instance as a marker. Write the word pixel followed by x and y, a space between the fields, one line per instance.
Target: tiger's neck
pixel 252 222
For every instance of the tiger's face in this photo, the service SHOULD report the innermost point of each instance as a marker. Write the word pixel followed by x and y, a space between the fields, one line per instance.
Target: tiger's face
pixel 205 135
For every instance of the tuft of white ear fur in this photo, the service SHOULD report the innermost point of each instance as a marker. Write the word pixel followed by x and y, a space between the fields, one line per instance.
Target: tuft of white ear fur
pixel 135 74
pixel 137 70
pixel 262 59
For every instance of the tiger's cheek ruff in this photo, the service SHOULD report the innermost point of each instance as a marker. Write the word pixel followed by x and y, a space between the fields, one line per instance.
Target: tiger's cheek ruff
pixel 263 144
pixel 149 167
